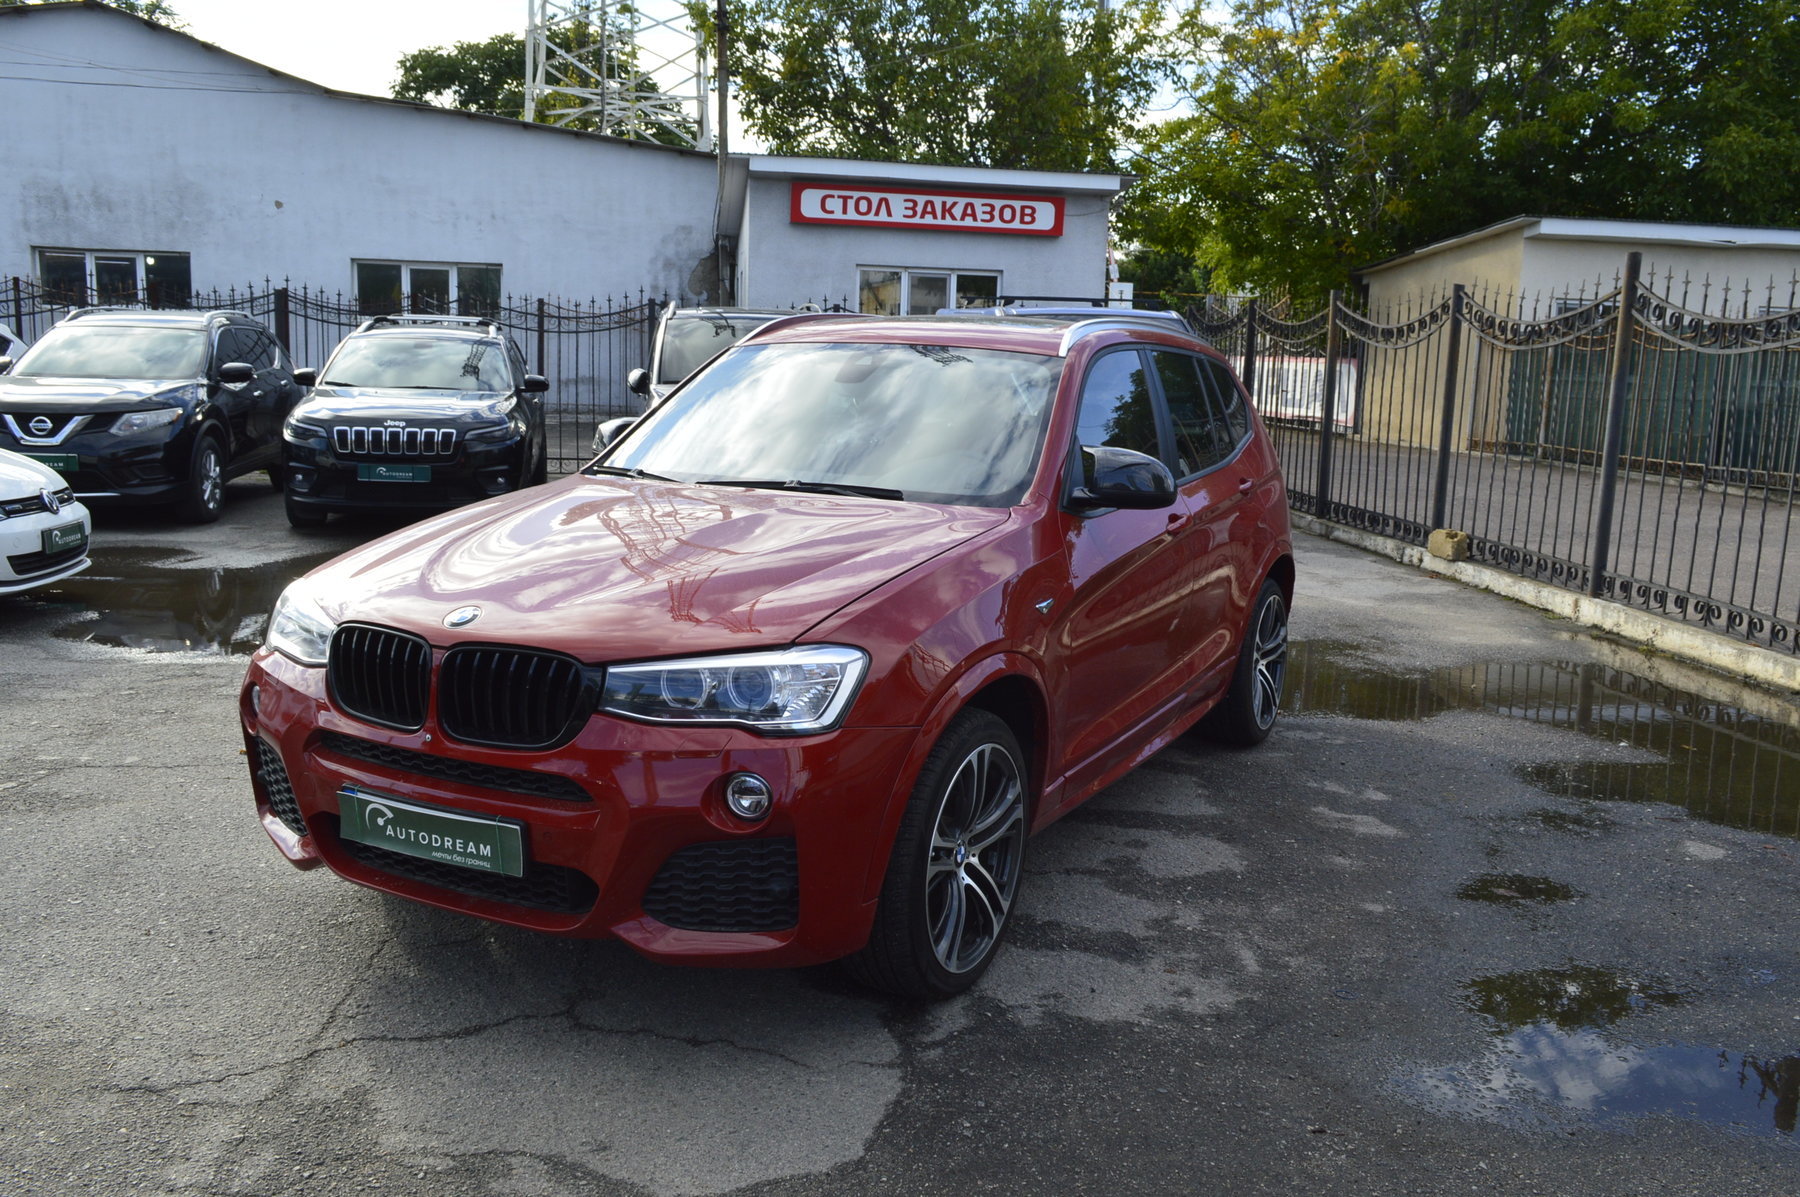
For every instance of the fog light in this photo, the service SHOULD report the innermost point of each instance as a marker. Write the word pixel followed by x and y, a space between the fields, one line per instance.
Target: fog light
pixel 748 796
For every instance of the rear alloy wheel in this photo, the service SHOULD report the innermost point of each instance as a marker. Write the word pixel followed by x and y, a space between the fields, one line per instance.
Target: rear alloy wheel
pixel 956 866
pixel 204 497
pixel 1247 713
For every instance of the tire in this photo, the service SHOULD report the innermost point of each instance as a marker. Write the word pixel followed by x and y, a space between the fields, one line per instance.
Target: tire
pixel 304 517
pixel 541 474
pixel 204 496
pixel 278 478
pixel 957 862
pixel 1247 713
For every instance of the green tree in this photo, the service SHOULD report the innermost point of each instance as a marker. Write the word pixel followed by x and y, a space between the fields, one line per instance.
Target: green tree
pixel 151 10
pixel 1325 134
pixel 1009 83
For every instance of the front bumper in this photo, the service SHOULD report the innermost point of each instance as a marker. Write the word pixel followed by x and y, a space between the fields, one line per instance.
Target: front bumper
pixel 320 479
pixel 24 562
pixel 151 468
pixel 625 831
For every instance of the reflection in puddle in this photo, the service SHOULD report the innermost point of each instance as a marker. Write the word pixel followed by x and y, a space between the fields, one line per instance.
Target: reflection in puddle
pixel 1512 889
pixel 1551 1050
pixel 140 599
pixel 1721 763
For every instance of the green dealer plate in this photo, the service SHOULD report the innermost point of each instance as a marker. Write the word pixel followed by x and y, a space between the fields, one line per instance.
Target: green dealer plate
pixel 69 536
pixel 62 463
pixel 393 473
pixel 449 837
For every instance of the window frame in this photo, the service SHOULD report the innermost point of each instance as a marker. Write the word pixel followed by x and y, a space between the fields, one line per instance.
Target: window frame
pixel 453 300
pixel 952 274
pixel 142 261
pixel 1207 377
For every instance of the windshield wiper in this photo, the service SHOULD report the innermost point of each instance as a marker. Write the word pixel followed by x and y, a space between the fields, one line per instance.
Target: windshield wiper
pixel 817 488
pixel 620 471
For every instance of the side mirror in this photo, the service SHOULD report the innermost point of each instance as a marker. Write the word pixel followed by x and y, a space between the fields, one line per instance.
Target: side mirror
pixel 237 373
pixel 306 376
pixel 534 384
pixel 610 431
pixel 638 381
pixel 1122 478
pixel 6 364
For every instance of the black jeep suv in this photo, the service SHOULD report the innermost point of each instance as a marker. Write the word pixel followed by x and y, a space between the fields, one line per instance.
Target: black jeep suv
pixel 150 406
pixel 414 412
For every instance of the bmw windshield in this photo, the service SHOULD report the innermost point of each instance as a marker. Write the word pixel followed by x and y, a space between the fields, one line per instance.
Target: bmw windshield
pixel 924 422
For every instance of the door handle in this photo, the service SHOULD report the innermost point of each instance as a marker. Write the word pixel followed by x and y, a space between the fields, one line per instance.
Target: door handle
pixel 1245 485
pixel 1177 521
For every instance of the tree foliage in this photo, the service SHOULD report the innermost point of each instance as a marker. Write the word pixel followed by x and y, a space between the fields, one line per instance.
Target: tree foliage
pixel 1325 134
pixel 151 10
pixel 1009 83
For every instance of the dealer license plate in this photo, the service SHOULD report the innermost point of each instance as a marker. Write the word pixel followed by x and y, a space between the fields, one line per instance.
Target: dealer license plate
pixel 393 473
pixel 69 536
pixel 450 837
pixel 62 463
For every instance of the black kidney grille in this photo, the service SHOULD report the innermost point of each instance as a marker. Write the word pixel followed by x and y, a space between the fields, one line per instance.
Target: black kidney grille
pixel 380 675
pixel 543 887
pixel 512 697
pixel 728 885
pixel 471 773
pixel 265 761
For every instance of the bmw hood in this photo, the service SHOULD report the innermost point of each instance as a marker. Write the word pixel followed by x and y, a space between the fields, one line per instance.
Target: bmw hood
pixel 609 569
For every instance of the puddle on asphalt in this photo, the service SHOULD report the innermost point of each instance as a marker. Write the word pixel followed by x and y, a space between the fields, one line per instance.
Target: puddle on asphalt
pixel 142 599
pixel 1554 1052
pixel 1516 889
pixel 1719 762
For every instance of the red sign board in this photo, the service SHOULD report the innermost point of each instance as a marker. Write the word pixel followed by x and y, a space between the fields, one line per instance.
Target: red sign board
pixel 926 208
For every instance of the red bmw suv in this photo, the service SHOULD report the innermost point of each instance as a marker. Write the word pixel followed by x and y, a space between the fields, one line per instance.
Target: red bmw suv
pixel 795 668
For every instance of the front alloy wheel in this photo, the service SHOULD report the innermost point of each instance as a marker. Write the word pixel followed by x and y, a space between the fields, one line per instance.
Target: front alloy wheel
pixel 205 493
pixel 955 870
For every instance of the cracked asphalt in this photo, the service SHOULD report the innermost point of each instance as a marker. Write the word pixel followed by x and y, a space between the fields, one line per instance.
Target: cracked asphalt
pixel 1233 972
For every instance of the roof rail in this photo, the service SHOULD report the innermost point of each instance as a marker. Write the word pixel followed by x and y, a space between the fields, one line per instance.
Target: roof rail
pixel 1087 328
pixel 428 318
pixel 206 314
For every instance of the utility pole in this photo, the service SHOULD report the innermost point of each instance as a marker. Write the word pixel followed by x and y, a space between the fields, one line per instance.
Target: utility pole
pixel 721 145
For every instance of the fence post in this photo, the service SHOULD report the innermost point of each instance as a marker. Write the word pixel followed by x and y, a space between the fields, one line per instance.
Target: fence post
pixel 18 320
pixel 1440 494
pixel 540 337
pixel 1249 374
pixel 1617 394
pixel 281 320
pixel 1334 348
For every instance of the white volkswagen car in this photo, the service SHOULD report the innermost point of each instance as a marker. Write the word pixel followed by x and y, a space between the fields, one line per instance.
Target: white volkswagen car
pixel 43 531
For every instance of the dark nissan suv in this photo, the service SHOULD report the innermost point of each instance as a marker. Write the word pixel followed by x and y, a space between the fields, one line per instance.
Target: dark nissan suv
pixel 415 412
pixel 151 406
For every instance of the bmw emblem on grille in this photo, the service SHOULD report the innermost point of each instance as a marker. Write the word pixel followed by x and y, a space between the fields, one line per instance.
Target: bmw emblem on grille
pixel 52 504
pixel 41 426
pixel 462 617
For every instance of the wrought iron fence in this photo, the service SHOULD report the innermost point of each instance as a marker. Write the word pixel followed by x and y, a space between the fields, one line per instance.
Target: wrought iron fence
pixel 1619 442
pixel 584 349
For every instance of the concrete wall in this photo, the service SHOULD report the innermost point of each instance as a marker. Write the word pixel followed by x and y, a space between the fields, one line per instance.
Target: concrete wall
pixel 166 144
pixel 781 262
pixel 1559 266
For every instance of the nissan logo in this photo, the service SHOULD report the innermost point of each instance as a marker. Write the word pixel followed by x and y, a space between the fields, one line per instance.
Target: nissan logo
pixel 52 504
pixel 462 617
pixel 40 426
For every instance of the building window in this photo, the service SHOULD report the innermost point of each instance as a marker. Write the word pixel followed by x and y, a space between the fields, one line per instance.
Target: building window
pixel 77 277
pixel 456 288
pixel 893 291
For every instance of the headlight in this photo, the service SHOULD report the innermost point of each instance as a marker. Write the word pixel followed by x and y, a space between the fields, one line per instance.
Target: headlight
pixel 495 432
pixel 134 422
pixel 296 429
pixel 793 690
pixel 298 628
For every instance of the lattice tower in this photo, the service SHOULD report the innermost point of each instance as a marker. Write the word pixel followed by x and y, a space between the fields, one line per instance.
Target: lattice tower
pixel 635 69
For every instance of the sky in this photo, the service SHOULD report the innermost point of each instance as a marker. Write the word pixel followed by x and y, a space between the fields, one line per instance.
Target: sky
pixel 351 45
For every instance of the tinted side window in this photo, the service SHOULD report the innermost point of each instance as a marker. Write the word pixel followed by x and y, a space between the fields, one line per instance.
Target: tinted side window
pixel 1230 398
pixel 233 345
pixel 1203 439
pixel 1115 405
pixel 260 344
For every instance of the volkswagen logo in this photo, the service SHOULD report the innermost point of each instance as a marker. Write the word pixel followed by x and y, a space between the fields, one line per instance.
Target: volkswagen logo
pixel 462 617
pixel 52 504
pixel 40 426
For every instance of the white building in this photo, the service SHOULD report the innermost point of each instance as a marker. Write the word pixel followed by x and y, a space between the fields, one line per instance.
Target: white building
pixel 144 158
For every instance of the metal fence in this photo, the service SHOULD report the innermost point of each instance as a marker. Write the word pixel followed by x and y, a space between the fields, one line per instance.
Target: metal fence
pixel 584 349
pixel 1617 442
